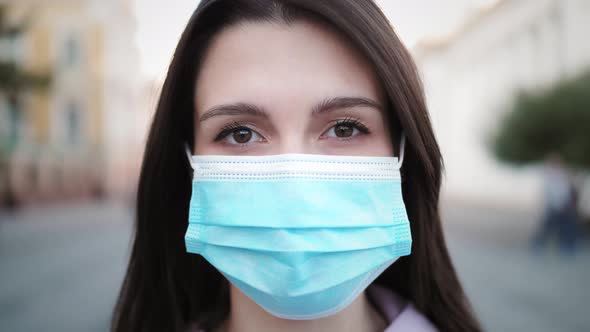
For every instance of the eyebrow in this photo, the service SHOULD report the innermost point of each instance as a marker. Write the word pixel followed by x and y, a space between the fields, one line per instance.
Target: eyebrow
pixel 234 109
pixel 327 105
pixel 332 104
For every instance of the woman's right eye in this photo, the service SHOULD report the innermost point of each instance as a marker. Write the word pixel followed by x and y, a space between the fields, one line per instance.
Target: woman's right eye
pixel 239 136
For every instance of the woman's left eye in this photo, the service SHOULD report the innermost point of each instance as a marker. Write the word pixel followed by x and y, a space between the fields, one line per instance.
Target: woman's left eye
pixel 345 130
pixel 239 135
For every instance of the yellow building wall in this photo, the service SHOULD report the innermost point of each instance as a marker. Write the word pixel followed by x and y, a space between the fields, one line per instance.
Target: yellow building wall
pixel 39 63
pixel 96 70
pixel 39 59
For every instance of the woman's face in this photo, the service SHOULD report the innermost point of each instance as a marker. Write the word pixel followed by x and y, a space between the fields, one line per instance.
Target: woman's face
pixel 270 88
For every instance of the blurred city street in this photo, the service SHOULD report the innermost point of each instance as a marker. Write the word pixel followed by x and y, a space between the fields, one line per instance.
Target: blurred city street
pixel 511 288
pixel 61 267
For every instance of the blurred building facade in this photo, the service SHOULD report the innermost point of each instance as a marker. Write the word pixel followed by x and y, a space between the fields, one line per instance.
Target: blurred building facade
pixel 472 77
pixel 79 136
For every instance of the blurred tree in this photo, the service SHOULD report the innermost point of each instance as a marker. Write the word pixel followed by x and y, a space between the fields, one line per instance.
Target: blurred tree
pixel 13 82
pixel 554 121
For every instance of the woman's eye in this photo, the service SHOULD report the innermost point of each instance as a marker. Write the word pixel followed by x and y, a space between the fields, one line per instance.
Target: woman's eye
pixel 240 135
pixel 345 130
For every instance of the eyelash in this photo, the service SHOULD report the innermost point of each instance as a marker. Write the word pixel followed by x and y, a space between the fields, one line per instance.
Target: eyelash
pixel 353 122
pixel 231 127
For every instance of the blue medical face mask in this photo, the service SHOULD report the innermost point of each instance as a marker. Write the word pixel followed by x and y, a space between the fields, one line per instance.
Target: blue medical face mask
pixel 301 235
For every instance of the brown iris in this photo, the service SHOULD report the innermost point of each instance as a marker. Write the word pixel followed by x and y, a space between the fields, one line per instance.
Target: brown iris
pixel 242 135
pixel 343 130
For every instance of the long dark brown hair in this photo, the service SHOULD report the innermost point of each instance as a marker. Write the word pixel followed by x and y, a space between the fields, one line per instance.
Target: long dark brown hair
pixel 168 289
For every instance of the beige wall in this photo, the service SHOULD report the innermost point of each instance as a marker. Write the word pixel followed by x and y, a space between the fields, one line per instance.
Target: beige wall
pixel 472 77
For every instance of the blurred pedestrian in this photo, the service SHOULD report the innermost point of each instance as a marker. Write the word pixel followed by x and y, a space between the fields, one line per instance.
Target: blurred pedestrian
pixel 560 218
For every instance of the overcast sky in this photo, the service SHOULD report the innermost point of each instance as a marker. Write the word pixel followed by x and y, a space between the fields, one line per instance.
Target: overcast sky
pixel 161 22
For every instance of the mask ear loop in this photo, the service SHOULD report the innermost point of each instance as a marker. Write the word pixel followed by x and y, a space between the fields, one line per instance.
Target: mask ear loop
pixel 402 149
pixel 189 155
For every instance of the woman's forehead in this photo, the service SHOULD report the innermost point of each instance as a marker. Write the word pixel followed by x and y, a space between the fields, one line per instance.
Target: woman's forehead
pixel 278 64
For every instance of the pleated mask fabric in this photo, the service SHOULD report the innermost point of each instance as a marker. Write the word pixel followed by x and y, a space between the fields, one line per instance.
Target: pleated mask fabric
pixel 302 235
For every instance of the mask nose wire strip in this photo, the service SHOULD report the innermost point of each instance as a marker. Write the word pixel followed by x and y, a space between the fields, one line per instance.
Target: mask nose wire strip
pixel 189 155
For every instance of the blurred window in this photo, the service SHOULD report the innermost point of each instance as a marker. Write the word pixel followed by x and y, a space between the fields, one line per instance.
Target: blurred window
pixel 71 52
pixel 73 123
pixel 14 122
pixel 5 49
pixel 11 47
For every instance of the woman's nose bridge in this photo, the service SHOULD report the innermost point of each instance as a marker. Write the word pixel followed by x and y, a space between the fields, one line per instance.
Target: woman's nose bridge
pixel 298 132
pixel 294 143
pixel 294 138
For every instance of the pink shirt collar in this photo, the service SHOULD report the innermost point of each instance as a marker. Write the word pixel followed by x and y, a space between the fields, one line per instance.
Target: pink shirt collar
pixel 399 313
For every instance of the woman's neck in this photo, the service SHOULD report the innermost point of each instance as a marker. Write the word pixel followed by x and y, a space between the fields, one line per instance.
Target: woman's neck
pixel 246 316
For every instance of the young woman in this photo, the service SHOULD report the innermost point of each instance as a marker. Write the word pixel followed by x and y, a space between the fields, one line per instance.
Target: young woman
pixel 298 207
